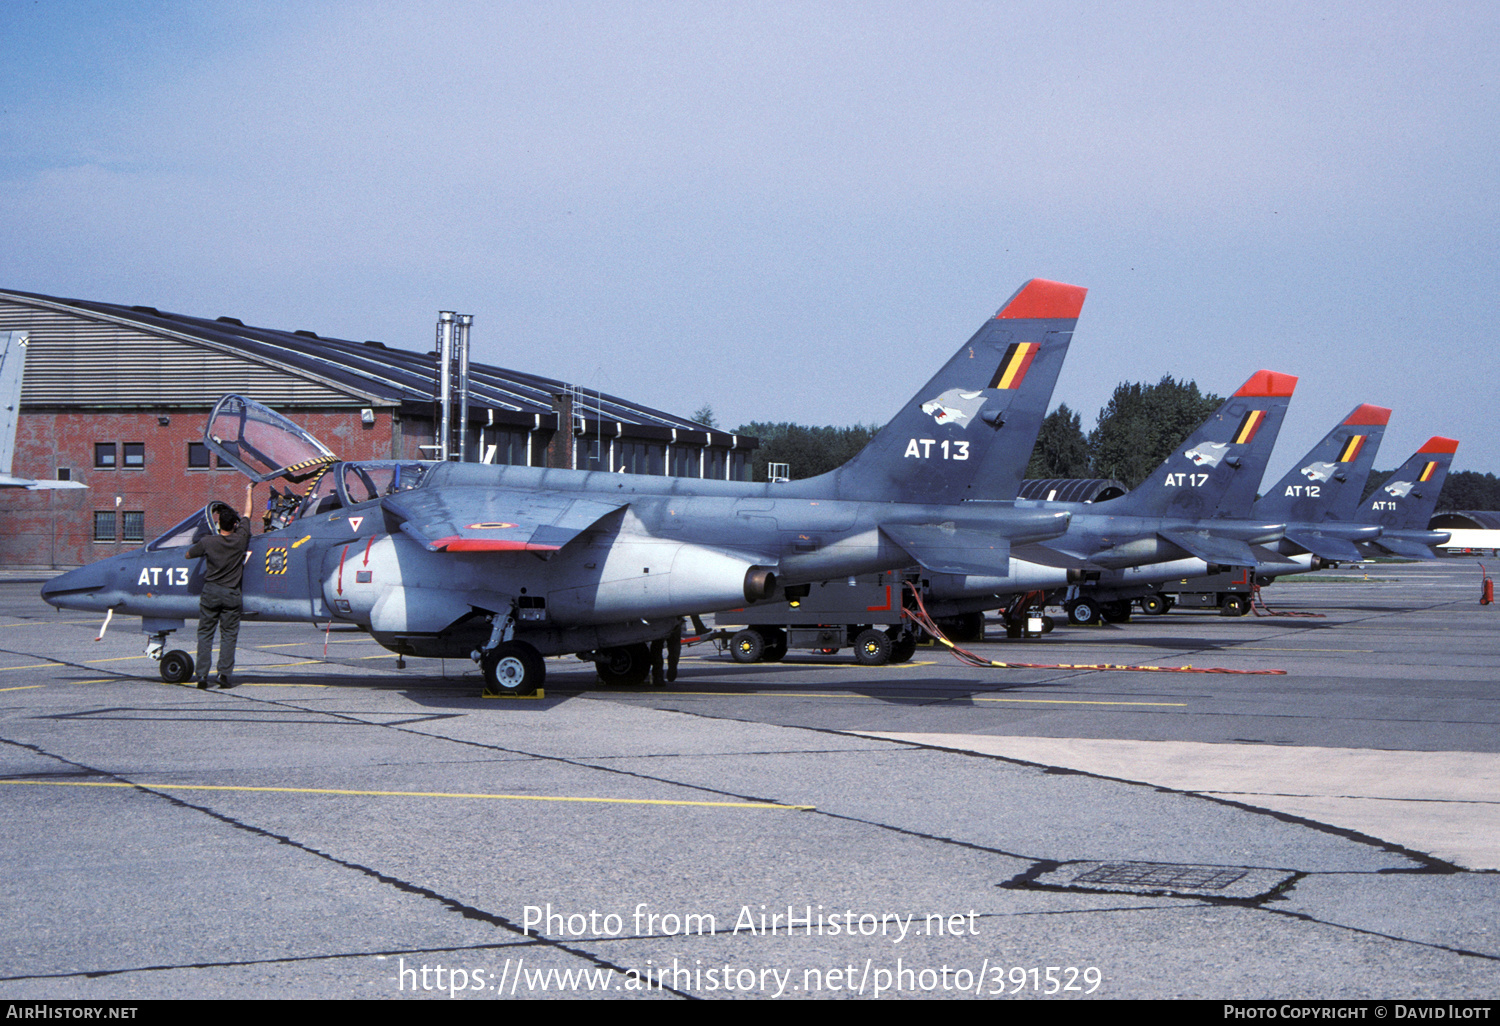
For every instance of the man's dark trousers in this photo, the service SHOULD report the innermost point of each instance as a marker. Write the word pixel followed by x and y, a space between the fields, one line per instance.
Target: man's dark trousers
pixel 217 606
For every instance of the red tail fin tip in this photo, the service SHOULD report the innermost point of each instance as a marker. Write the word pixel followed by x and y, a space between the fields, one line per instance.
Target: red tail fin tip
pixel 1044 300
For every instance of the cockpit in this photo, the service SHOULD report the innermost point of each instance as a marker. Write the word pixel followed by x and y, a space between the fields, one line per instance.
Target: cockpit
pixel 348 484
pixel 265 446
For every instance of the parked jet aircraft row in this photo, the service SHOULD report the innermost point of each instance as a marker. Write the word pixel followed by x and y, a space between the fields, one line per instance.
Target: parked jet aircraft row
pixel 509 564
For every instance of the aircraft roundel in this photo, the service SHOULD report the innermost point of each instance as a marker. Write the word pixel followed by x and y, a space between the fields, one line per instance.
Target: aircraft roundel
pixel 488 527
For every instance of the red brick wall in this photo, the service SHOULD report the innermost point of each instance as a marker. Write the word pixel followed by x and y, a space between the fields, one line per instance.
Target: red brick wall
pixel 56 528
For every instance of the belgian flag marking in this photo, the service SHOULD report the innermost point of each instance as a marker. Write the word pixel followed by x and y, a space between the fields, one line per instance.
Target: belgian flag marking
pixel 1428 471
pixel 1013 368
pixel 1249 426
pixel 1351 449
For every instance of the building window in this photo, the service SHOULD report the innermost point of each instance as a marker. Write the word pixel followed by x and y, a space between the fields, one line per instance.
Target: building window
pixel 104 526
pixel 198 455
pixel 135 455
pixel 65 473
pixel 104 456
pixel 133 527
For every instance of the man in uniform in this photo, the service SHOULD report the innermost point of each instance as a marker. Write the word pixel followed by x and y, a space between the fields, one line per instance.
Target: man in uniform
pixel 220 602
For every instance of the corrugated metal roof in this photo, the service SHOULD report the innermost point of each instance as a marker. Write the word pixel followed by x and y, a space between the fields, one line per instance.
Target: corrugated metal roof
pixel 1469 519
pixel 1062 489
pixel 277 367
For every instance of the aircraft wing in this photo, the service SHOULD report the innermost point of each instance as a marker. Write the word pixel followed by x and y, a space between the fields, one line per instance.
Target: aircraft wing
pixel 953 550
pixel 494 520
pixel 1212 548
pixel 1320 543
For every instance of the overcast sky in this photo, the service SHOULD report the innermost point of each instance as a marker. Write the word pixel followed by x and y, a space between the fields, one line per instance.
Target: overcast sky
pixel 790 211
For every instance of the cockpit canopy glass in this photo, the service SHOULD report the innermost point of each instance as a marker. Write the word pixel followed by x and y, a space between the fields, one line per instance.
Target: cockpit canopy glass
pixel 261 443
pixel 201 523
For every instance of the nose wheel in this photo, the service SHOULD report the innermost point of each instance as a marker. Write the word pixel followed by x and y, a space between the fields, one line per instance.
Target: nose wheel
pixel 176 667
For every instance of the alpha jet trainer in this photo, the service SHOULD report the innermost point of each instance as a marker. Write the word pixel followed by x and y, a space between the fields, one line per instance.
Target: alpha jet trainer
pixel 1403 506
pixel 1193 511
pixel 509 564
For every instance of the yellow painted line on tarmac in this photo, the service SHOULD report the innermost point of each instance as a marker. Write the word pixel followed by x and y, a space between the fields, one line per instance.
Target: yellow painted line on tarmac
pixel 23 687
pixel 383 655
pixel 117 659
pixel 1077 701
pixel 278 666
pixel 812 694
pixel 416 794
pixel 319 641
pixel 32 666
pixel 50 623
pixel 1258 648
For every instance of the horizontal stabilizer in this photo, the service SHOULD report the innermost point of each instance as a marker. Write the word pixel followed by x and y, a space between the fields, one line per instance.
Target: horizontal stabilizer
pixel 1270 559
pixel 6 481
pixel 944 549
pixel 1320 543
pixel 494 520
pixel 1408 547
pixel 1045 555
pixel 1211 548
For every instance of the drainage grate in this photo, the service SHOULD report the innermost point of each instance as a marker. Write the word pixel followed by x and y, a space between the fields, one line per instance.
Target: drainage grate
pixel 1239 883
pixel 1193 878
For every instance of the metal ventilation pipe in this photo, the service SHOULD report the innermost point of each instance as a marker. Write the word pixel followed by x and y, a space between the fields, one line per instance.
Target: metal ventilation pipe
pixel 444 395
pixel 464 321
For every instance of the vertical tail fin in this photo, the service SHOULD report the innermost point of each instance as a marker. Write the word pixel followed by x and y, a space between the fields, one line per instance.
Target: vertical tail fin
pixel 968 433
pixel 1216 471
pixel 1327 483
pixel 1407 499
pixel 12 368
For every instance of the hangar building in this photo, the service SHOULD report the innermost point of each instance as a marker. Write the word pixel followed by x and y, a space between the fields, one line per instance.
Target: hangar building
pixel 1471 532
pixel 116 397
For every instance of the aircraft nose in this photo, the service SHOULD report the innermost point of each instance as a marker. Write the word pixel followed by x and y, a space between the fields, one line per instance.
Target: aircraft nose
pixel 78 589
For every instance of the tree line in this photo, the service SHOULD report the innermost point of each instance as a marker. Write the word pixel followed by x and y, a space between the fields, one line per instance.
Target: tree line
pixel 1137 429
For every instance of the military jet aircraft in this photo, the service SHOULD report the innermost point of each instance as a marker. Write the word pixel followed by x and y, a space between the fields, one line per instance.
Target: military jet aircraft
pixel 1403 506
pixel 509 564
pixel 12 370
pixel 1318 499
pixel 1194 511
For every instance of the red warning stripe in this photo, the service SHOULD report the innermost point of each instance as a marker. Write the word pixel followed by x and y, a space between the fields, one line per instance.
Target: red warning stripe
pixel 458 543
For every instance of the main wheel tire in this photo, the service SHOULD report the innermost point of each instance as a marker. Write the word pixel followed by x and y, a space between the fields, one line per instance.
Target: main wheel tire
pixel 176 667
pixel 625 667
pixel 1154 604
pixel 1082 612
pixel 1235 605
pixel 903 647
pixel 748 646
pixel 513 668
pixel 1115 612
pixel 963 627
pixel 776 646
pixel 872 648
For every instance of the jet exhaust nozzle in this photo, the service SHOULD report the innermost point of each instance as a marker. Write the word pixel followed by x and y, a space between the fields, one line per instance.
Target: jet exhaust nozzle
pixel 760 583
